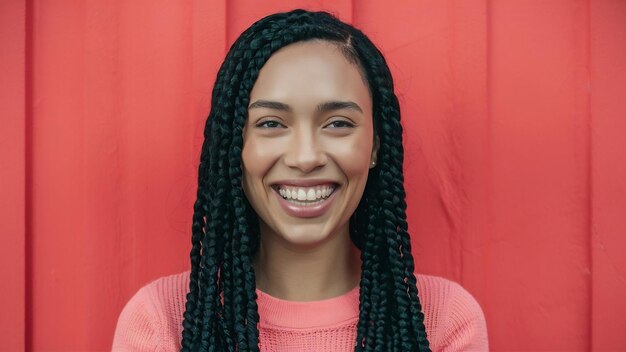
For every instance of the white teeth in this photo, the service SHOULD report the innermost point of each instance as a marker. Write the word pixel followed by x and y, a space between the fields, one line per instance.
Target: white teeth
pixel 305 193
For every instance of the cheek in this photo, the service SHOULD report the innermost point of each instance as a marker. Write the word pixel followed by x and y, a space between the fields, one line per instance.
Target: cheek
pixel 354 156
pixel 257 159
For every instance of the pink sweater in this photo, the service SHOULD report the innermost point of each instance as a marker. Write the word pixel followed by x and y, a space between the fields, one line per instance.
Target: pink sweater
pixel 152 319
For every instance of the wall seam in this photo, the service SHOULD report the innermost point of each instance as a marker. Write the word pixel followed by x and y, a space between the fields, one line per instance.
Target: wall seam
pixel 489 139
pixel 589 142
pixel 28 209
pixel 226 27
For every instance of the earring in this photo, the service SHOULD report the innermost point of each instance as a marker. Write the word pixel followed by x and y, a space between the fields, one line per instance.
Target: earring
pixel 372 164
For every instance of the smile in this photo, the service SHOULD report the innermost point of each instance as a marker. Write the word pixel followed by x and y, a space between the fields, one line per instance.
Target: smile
pixel 305 202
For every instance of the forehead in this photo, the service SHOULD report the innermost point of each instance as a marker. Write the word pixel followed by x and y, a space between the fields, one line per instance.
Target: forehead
pixel 311 70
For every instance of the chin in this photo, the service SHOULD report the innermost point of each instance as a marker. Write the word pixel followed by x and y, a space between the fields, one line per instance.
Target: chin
pixel 303 235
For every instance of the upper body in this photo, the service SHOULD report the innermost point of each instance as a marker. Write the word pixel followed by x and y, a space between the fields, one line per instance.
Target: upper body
pixel 152 319
pixel 300 202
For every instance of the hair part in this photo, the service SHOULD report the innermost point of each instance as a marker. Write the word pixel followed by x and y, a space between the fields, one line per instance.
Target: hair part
pixel 221 312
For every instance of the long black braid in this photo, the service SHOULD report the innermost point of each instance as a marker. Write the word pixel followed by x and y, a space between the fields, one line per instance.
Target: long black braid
pixel 221 312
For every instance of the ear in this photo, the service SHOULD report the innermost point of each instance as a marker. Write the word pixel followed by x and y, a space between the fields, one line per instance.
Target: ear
pixel 375 147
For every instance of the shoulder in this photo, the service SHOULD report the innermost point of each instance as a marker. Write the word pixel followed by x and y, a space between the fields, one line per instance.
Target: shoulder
pixel 152 319
pixel 453 317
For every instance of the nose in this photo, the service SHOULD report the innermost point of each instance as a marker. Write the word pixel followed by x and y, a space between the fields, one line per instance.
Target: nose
pixel 305 152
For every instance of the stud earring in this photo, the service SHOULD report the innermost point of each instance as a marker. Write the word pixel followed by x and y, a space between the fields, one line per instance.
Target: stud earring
pixel 372 164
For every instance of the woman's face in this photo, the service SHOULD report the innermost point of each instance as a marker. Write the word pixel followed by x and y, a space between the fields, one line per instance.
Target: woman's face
pixel 308 143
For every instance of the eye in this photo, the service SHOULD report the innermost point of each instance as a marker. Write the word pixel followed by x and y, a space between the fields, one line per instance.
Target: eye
pixel 341 124
pixel 270 124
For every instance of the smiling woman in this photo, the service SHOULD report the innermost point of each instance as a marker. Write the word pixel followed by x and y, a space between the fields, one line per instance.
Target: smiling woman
pixel 300 238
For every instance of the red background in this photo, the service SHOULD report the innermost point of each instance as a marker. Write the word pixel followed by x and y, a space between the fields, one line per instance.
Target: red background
pixel 515 135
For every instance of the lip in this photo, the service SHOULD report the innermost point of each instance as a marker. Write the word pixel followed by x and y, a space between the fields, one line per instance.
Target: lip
pixel 305 182
pixel 307 211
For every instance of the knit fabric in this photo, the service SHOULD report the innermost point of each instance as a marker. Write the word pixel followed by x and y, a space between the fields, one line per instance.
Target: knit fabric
pixel 152 319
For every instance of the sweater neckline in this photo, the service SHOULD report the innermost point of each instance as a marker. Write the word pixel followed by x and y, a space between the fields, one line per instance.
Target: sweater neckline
pixel 310 314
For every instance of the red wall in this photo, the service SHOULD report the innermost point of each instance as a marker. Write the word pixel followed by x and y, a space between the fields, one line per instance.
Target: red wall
pixel 515 136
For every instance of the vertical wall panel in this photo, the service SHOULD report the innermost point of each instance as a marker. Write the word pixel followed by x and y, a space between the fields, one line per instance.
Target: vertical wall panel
pixel 59 266
pixel 102 175
pixel 539 245
pixel 469 126
pixel 608 172
pixel 13 21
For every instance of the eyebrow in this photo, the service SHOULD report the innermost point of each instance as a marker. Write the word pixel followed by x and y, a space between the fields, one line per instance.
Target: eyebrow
pixel 338 105
pixel 321 108
pixel 274 105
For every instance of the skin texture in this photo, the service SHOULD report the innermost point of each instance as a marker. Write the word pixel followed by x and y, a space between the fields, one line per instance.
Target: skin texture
pixel 304 259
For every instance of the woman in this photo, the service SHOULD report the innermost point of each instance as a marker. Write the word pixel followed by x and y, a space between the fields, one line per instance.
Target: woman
pixel 300 238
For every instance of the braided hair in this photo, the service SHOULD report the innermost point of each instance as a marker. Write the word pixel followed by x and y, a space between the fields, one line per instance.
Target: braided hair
pixel 221 312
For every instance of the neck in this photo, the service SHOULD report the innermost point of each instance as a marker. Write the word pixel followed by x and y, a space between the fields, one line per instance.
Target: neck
pixel 307 273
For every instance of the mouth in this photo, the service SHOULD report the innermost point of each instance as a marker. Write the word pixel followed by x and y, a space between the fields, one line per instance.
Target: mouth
pixel 305 196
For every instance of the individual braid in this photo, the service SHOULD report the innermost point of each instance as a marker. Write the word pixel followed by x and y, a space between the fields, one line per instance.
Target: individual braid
pixel 198 223
pixel 362 233
pixel 193 307
pixel 221 311
pixel 243 278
